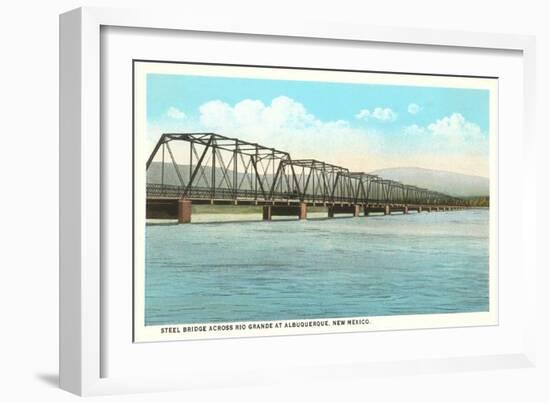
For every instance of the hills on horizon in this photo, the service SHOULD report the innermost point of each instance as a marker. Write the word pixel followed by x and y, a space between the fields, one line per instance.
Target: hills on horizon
pixel 451 183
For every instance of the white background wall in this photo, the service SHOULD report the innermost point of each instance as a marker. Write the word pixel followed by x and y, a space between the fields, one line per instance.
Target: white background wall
pixel 29 201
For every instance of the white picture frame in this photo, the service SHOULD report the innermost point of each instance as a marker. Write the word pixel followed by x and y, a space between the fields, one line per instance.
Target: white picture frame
pixel 82 344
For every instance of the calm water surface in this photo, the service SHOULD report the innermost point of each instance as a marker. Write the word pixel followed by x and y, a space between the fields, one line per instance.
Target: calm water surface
pixel 253 270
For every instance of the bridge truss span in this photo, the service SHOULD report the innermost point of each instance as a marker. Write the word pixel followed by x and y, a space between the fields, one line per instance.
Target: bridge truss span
pixel 212 168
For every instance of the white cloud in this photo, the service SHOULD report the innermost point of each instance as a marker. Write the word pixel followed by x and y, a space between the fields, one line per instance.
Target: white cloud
pixel 455 127
pixel 283 112
pixel 286 124
pixel 413 109
pixel 382 114
pixel 414 130
pixel 216 114
pixel 451 129
pixel 175 113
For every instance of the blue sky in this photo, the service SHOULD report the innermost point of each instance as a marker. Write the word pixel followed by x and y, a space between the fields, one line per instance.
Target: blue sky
pixel 368 126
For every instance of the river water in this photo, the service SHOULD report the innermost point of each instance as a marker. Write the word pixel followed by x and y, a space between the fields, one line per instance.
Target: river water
pixel 244 269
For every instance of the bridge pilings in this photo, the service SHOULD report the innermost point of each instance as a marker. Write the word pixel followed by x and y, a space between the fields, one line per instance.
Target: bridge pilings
pixel 399 208
pixel 375 209
pixel 184 211
pixel 181 209
pixel 353 209
pixel 266 213
pixel 300 211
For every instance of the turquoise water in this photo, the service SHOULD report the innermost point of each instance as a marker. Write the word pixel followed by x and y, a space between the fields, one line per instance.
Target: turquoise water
pixel 343 267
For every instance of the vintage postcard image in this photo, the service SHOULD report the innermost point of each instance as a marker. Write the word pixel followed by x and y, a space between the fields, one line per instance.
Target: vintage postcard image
pixel 285 201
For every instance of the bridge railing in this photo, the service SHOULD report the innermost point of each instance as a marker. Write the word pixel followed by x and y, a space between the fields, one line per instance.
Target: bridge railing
pixel 173 191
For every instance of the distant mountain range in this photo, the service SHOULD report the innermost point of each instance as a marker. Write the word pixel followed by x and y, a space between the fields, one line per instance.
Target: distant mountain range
pixel 450 183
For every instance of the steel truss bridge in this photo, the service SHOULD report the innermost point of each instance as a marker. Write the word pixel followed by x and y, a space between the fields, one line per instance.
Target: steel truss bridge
pixel 208 168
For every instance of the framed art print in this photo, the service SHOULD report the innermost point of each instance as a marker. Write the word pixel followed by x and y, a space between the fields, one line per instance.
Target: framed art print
pixel 243 202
